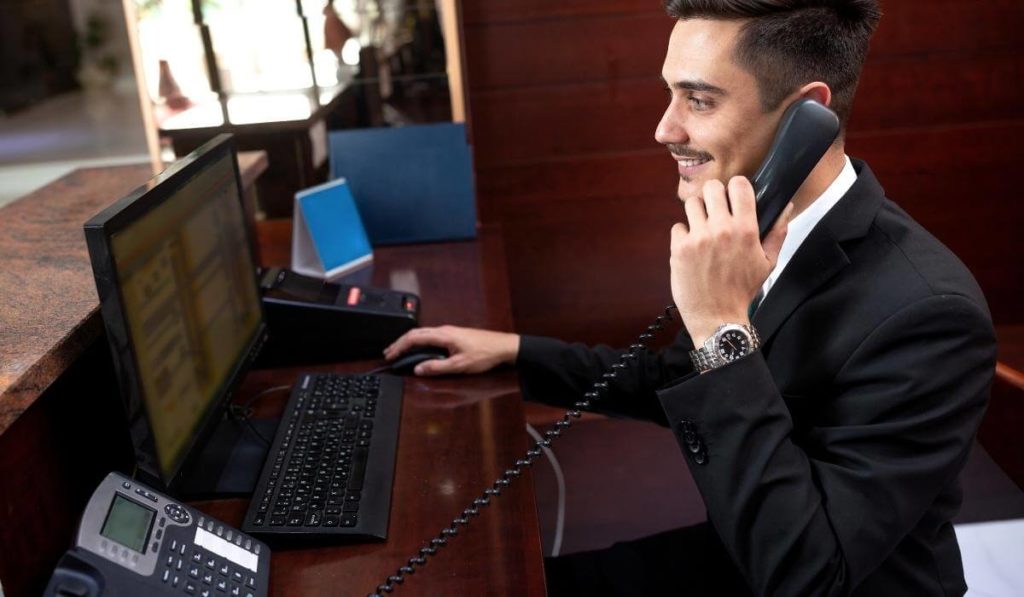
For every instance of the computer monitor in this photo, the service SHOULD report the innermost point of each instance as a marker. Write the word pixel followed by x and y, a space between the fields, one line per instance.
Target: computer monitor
pixel 179 297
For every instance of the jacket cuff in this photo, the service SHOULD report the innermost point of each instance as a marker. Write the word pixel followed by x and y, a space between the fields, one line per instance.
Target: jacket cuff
pixel 704 407
pixel 537 350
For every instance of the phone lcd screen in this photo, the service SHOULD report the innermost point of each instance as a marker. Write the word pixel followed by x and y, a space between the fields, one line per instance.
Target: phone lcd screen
pixel 128 523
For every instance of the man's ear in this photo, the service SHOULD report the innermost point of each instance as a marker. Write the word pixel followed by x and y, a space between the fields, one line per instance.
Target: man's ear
pixel 817 91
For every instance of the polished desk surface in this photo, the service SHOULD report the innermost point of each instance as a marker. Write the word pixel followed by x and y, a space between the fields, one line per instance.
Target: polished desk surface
pixel 457 436
pixel 49 311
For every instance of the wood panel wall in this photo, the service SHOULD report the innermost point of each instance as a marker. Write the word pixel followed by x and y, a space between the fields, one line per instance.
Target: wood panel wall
pixel 564 98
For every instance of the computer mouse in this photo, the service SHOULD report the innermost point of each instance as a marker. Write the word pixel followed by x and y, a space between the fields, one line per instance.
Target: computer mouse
pixel 405 364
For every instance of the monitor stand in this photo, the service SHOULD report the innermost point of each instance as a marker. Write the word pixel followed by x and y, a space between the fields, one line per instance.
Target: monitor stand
pixel 232 460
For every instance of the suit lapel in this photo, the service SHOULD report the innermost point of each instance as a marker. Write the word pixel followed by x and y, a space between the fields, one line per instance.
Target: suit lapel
pixel 821 256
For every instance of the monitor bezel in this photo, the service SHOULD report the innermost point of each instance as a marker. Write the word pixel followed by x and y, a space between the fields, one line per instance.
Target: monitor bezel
pixel 98 232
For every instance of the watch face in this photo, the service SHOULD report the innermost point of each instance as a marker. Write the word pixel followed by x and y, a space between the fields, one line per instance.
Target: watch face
pixel 733 344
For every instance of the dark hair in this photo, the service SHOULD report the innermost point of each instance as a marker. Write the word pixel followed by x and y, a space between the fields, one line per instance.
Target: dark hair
pixel 788 43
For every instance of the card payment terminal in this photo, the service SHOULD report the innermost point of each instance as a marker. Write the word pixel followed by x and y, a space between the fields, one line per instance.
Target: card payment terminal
pixel 135 541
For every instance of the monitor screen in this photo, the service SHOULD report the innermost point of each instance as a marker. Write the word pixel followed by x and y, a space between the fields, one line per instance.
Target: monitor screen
pixel 184 297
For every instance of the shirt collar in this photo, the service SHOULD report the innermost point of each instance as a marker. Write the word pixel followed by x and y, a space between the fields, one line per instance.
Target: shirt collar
pixel 802 224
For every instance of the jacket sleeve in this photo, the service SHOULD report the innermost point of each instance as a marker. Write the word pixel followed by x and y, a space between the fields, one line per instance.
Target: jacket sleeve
pixel 815 510
pixel 559 373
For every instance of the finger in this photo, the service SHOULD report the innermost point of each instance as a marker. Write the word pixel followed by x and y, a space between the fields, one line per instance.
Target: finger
pixel 696 217
pixel 437 367
pixel 413 338
pixel 742 200
pixel 679 231
pixel 715 201
pixel 773 242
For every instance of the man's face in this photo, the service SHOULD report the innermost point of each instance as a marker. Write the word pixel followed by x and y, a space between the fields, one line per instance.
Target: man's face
pixel 714 126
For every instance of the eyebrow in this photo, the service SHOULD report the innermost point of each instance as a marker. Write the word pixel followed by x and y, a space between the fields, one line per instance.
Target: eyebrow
pixel 695 85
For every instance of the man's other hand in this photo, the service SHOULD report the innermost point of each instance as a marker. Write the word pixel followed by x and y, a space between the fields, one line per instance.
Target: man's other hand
pixel 718 262
pixel 470 350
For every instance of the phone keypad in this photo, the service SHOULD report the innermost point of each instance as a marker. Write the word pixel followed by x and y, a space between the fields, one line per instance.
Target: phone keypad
pixel 199 572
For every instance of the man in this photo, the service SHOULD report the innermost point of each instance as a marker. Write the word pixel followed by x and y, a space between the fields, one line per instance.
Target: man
pixel 827 449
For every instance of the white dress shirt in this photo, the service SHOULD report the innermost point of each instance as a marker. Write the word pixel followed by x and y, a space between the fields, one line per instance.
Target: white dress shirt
pixel 801 225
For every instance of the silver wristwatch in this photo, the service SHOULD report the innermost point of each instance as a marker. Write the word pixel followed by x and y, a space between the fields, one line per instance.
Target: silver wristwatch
pixel 730 341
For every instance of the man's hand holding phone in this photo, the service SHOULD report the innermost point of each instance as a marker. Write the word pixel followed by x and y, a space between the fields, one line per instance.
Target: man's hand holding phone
pixel 718 263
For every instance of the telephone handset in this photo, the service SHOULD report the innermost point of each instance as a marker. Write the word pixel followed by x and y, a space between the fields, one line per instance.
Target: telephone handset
pixel 805 133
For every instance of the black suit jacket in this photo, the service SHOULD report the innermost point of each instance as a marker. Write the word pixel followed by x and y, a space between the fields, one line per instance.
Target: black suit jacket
pixel 828 460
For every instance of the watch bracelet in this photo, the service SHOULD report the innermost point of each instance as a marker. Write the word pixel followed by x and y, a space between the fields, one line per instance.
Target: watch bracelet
pixel 705 360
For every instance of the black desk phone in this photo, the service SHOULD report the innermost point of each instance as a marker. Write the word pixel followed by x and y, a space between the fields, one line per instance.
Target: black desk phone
pixel 805 133
pixel 134 541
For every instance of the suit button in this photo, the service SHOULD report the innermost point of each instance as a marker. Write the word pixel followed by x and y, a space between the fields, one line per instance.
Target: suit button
pixel 689 436
pixel 686 425
pixel 701 457
pixel 696 447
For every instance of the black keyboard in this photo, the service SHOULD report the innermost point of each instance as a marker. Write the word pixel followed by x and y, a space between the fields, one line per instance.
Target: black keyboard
pixel 330 468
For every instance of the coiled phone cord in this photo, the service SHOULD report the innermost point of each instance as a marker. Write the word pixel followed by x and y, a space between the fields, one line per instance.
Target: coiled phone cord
pixel 596 392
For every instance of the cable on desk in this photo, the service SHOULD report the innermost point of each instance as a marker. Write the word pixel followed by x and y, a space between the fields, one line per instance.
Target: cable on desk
pixel 597 390
pixel 556 545
pixel 248 403
pixel 243 412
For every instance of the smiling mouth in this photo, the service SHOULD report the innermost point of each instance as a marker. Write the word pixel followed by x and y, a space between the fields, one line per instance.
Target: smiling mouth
pixel 692 162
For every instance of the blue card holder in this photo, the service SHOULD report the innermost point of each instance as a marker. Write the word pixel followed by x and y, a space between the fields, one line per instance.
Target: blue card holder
pixel 328 238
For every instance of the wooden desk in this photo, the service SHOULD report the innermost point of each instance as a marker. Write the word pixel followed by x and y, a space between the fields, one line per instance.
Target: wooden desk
pixel 457 436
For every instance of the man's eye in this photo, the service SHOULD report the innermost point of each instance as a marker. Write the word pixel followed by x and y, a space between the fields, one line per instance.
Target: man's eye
pixel 699 104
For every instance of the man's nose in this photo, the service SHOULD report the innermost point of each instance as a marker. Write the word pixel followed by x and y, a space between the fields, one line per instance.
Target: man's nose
pixel 671 129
